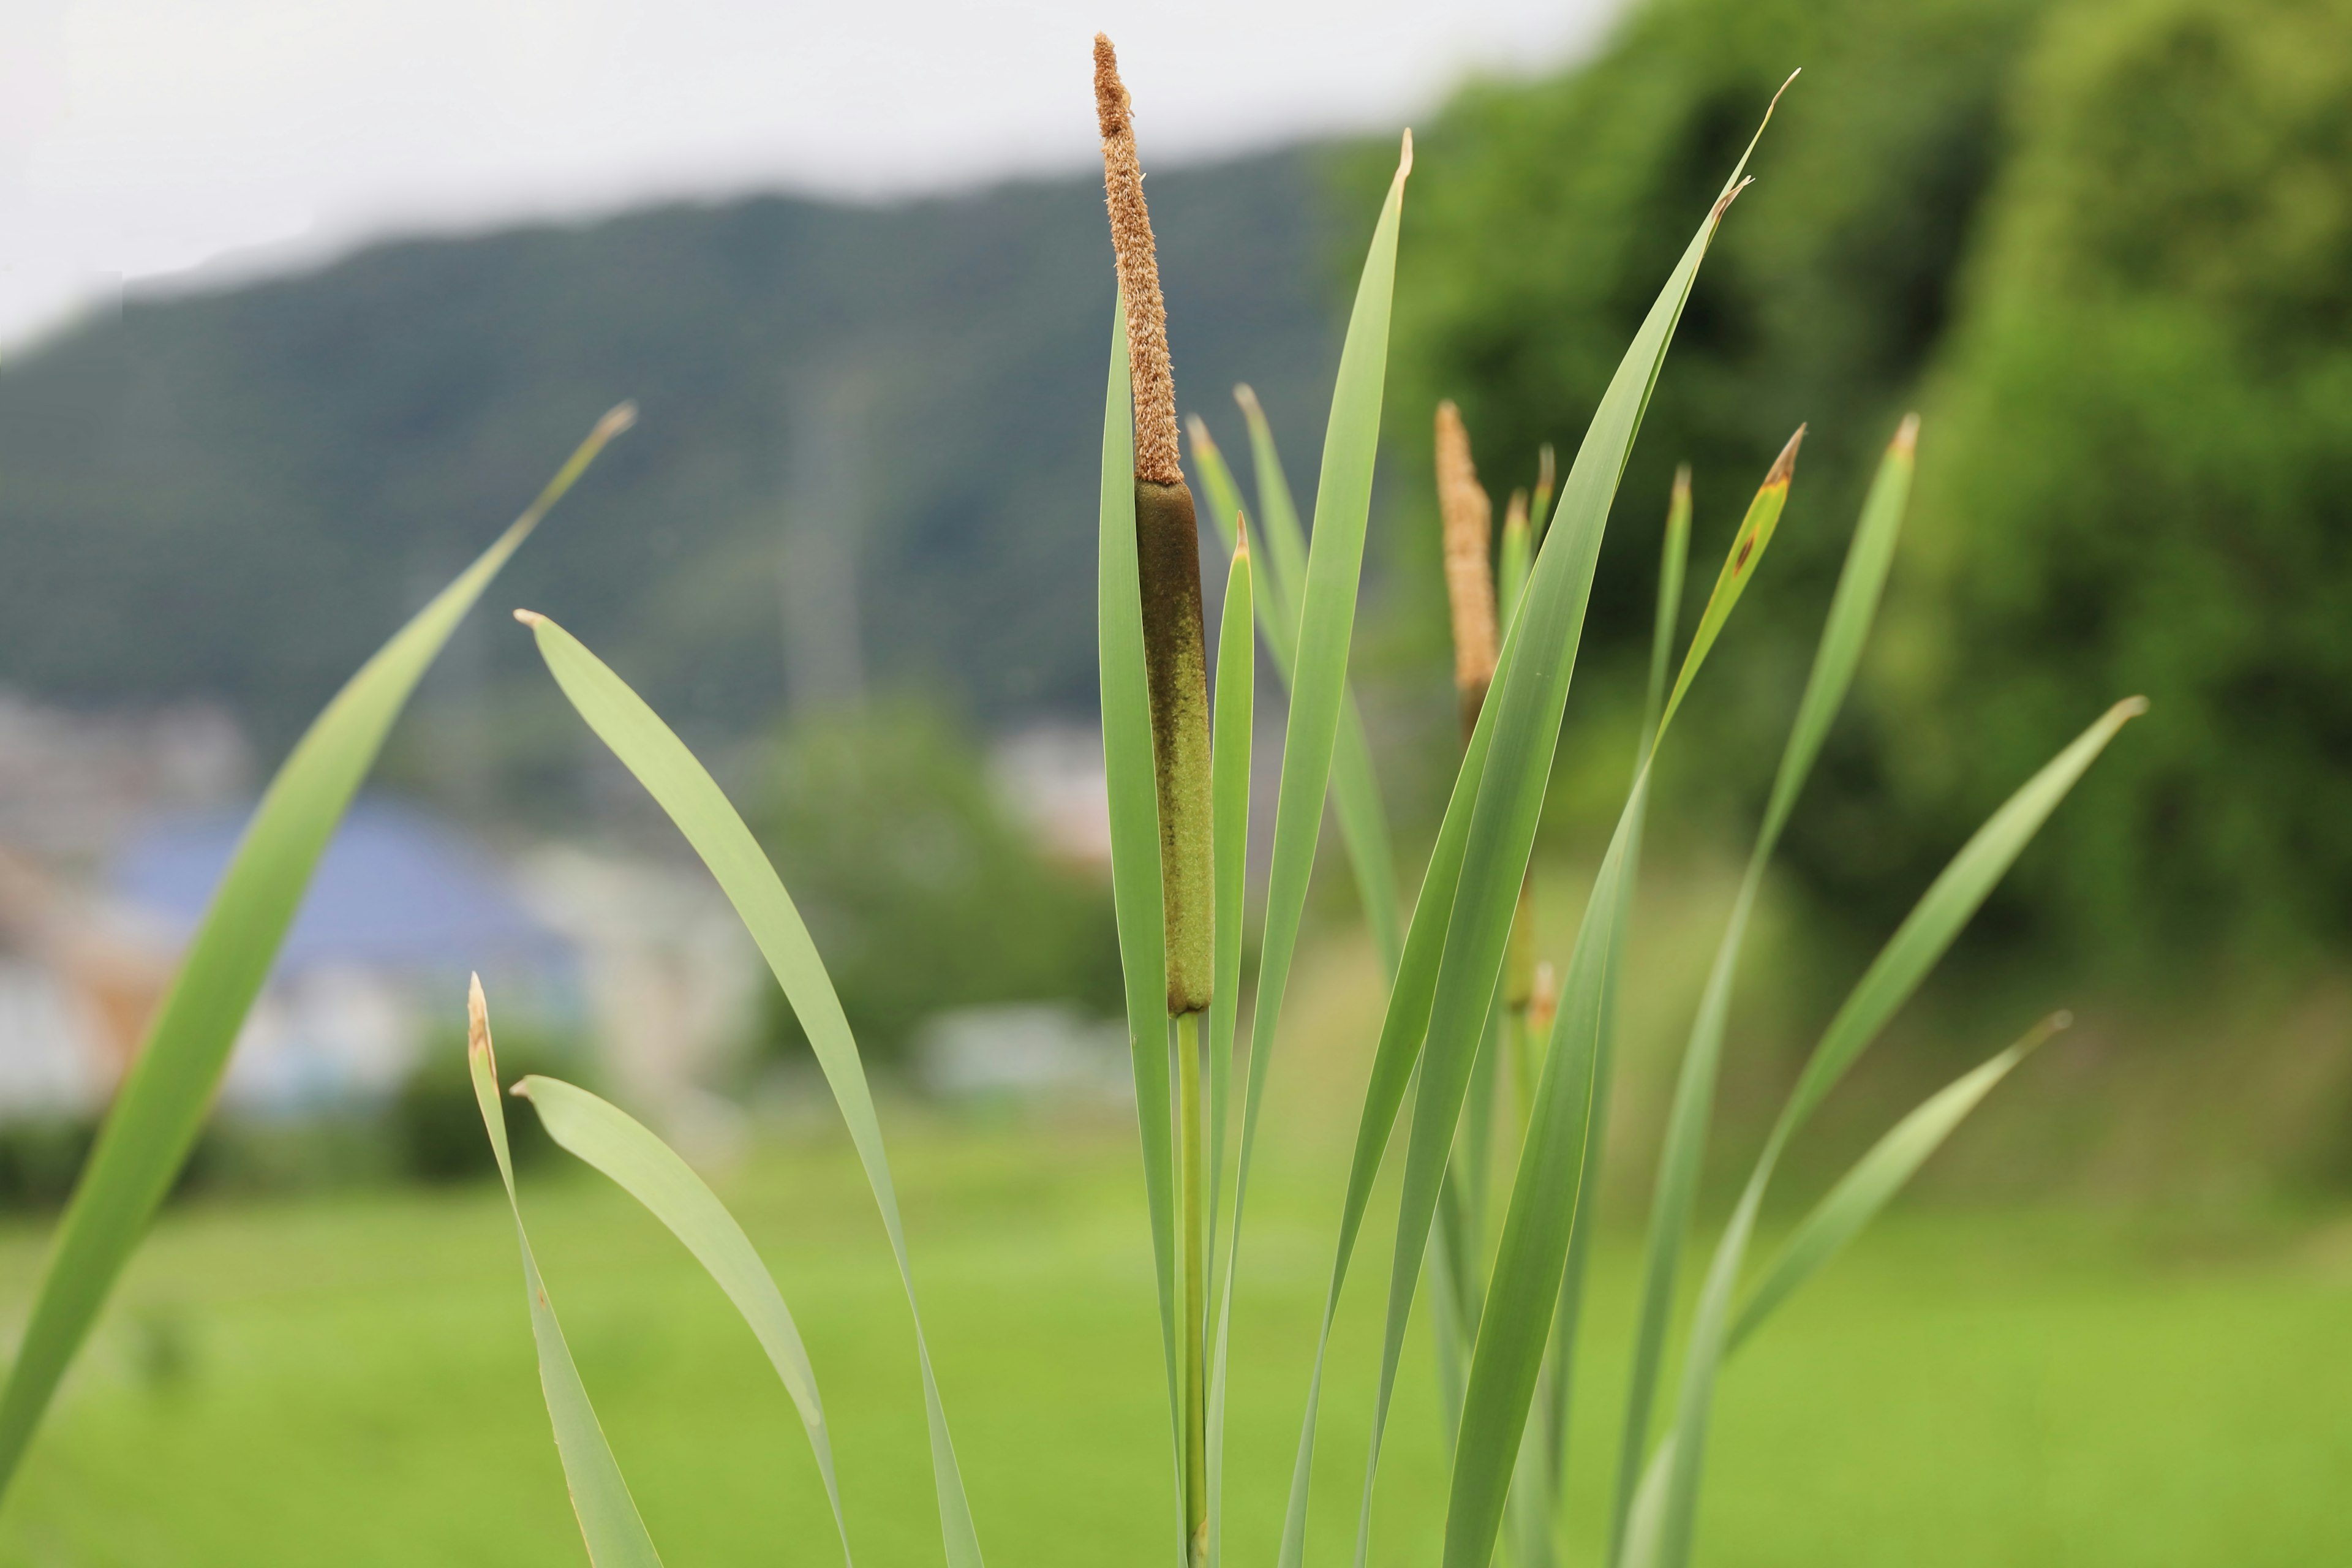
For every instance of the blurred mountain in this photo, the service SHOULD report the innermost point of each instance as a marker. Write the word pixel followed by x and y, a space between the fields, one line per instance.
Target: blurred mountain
pixel 237 495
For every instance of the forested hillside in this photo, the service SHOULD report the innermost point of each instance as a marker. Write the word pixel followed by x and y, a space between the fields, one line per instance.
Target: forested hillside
pixel 238 494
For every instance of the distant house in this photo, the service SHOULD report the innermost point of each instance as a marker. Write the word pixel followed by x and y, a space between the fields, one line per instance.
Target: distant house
pixel 401 907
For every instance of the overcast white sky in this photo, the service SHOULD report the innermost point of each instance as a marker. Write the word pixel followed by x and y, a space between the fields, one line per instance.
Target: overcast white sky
pixel 156 142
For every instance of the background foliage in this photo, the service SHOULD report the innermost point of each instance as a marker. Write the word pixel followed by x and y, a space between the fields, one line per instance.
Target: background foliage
pixel 2106 245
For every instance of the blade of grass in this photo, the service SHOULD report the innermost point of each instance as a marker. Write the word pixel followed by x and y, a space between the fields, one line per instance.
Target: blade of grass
pixel 616 1145
pixel 161 1107
pixel 1892 977
pixel 1533 1293
pixel 1326 623
pixel 699 808
pixel 1852 607
pixel 1355 786
pixel 609 1522
pixel 1873 1181
pixel 1134 805
pixel 1229 762
pixel 1835 1221
pixel 1531 691
pixel 1748 543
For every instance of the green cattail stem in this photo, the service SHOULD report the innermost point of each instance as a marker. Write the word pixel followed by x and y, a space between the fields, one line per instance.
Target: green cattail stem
pixel 1175 660
pixel 1190 1159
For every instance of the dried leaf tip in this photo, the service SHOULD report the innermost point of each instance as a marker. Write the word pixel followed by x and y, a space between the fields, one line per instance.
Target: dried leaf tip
pixel 1544 1005
pixel 1149 371
pixel 1241 539
pixel 2132 707
pixel 1404 157
pixel 529 617
pixel 1247 395
pixel 2061 1019
pixel 1907 436
pixel 1784 466
pixel 477 1025
pixel 1468 519
pixel 617 418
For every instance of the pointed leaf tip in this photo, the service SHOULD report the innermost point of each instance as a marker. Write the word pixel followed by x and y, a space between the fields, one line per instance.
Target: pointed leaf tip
pixel 1404 159
pixel 1784 466
pixel 529 617
pixel 617 418
pixel 1906 434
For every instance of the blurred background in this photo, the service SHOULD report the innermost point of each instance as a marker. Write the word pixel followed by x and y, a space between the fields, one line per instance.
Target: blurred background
pixel 299 306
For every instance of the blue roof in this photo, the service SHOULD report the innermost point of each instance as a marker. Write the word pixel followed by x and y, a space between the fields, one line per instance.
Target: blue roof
pixel 396 888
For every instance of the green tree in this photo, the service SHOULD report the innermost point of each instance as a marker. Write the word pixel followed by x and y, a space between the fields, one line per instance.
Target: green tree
pixel 923 889
pixel 2141 476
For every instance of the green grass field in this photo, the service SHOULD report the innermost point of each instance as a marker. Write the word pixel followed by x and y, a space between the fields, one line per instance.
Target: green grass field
pixel 349 1380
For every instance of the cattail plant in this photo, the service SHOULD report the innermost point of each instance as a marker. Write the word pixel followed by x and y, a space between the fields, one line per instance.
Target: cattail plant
pixel 1511 1303
pixel 1175 663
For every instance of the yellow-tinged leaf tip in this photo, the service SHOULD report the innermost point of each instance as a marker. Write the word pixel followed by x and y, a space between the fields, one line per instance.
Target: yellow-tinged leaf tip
pixel 1906 434
pixel 1682 481
pixel 617 418
pixel 2132 707
pixel 1247 398
pixel 521 1089
pixel 1404 158
pixel 1784 466
pixel 1198 429
pixel 477 1025
pixel 2061 1019
pixel 529 617
pixel 1241 540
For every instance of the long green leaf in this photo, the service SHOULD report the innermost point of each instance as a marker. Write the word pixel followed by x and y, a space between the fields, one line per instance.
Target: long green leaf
pixel 1873 1181
pixel 1134 803
pixel 608 1138
pixel 1355 786
pixel 1530 692
pixel 609 1522
pixel 694 802
pixel 1852 607
pixel 1930 928
pixel 1858 1197
pixel 1229 786
pixel 1551 1197
pixel 161 1107
pixel 1318 679
pixel 1568 1318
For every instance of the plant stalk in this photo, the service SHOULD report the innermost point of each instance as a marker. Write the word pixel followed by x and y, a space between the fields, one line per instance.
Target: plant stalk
pixel 1191 1160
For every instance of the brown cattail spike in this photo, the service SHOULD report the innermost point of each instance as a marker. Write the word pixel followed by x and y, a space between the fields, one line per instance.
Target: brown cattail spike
pixel 1167 566
pixel 1156 453
pixel 1469 525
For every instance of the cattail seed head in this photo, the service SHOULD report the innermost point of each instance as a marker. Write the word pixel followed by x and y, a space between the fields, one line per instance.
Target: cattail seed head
pixel 1469 524
pixel 1156 450
pixel 1167 565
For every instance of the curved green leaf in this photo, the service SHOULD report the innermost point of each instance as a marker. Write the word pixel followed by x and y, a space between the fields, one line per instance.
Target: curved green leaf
pixel 694 802
pixel 1229 787
pixel 1930 928
pixel 1551 1197
pixel 1530 694
pixel 609 1522
pixel 608 1138
pixel 1852 607
pixel 161 1106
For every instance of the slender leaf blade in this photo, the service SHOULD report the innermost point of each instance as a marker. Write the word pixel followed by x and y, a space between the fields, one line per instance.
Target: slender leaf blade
pixel 1922 938
pixel 1134 803
pixel 609 1522
pixel 1531 691
pixel 161 1107
pixel 1852 608
pixel 1229 787
pixel 623 1150
pixel 700 810
pixel 1318 679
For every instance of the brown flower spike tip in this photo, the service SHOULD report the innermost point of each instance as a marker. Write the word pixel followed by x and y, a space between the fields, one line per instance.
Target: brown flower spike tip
pixel 1469 523
pixel 1168 563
